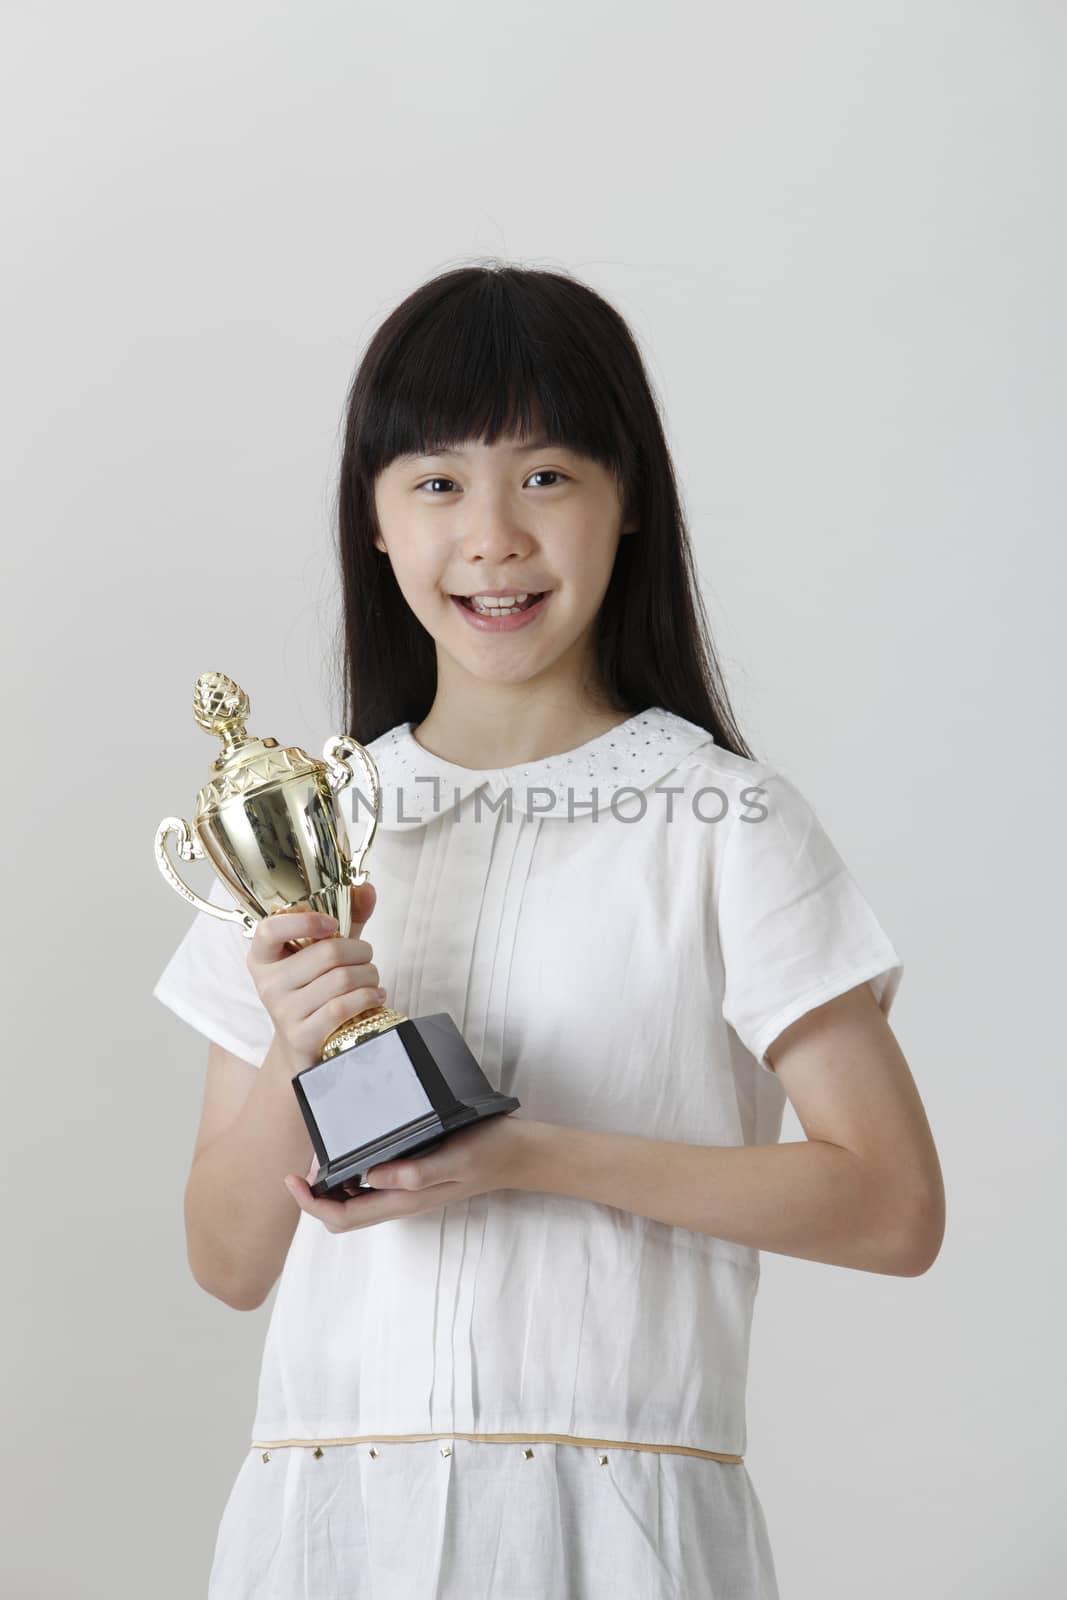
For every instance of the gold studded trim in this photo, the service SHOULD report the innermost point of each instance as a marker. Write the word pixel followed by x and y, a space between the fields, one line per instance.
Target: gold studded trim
pixel 502 1438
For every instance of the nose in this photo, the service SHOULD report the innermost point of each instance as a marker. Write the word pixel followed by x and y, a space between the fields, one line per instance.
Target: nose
pixel 493 541
pixel 493 536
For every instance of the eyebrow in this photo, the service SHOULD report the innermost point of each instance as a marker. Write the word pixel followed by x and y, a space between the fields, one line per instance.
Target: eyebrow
pixel 516 449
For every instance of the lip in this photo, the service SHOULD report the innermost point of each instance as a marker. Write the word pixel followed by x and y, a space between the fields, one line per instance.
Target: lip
pixel 511 624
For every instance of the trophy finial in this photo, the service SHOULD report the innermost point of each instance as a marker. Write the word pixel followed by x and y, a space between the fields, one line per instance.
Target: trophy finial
pixel 221 708
pixel 218 703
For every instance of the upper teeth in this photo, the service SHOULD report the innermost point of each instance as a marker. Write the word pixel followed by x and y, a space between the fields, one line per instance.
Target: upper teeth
pixel 500 602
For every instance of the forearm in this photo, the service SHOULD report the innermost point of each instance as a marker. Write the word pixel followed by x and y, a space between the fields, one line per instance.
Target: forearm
pixel 810 1199
pixel 239 1216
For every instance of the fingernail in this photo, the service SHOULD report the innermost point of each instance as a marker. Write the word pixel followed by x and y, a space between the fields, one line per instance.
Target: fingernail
pixel 380 993
pixel 327 922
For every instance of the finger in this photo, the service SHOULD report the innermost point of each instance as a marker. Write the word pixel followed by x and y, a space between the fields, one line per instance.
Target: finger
pixel 352 1186
pixel 364 898
pixel 436 1171
pixel 326 1210
pixel 337 1005
pixel 324 955
pixel 356 1212
pixel 409 1174
pixel 330 967
pixel 274 932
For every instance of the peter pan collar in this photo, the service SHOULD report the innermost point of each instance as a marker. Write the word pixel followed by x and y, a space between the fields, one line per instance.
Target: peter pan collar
pixel 418 785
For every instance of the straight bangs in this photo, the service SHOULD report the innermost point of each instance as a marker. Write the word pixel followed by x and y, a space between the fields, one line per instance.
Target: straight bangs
pixel 489 359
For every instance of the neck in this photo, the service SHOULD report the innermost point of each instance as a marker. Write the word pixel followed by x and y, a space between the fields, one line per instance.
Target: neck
pixel 479 724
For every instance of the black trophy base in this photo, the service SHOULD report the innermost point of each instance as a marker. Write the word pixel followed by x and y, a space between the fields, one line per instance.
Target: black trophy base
pixel 396 1093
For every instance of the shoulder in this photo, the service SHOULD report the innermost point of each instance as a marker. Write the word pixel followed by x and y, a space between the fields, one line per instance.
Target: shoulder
pixel 711 764
pixel 714 797
pixel 704 769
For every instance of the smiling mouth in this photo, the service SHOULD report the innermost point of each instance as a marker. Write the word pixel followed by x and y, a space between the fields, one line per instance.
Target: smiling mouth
pixel 489 609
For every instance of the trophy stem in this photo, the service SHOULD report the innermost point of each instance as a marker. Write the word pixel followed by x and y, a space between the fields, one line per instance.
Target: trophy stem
pixel 233 739
pixel 377 1020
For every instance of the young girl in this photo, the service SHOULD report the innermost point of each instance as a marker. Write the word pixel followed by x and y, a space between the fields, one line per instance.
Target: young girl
pixel 518 1367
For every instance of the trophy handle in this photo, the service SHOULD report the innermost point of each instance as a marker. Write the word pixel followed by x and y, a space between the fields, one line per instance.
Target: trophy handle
pixel 336 753
pixel 190 849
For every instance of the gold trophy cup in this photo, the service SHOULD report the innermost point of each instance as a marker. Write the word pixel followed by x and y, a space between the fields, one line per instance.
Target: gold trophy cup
pixel 269 821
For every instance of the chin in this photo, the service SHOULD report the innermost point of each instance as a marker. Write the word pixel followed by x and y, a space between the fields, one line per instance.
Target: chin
pixel 520 672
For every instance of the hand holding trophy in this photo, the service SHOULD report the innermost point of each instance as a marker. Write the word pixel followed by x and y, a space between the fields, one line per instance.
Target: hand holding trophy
pixel 269 822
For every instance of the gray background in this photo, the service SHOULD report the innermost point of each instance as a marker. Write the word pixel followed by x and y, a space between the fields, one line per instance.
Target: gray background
pixel 837 231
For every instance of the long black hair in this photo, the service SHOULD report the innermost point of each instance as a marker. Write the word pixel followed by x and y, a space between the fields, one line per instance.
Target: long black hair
pixel 485 351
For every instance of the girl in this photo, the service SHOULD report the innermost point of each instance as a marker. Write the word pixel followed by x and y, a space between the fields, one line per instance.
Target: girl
pixel 518 1367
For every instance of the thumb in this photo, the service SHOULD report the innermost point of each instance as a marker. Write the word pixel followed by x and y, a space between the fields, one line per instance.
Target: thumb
pixel 364 899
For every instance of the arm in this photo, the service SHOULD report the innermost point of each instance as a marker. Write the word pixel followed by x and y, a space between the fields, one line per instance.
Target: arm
pixel 239 1220
pixel 863 1190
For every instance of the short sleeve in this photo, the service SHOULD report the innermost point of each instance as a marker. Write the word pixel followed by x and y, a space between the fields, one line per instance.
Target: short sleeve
pixel 794 928
pixel 207 984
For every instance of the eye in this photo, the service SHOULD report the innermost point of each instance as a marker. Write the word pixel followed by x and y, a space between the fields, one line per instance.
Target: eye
pixel 542 472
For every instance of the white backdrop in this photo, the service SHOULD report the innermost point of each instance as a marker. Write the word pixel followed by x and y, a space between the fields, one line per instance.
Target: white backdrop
pixel 837 231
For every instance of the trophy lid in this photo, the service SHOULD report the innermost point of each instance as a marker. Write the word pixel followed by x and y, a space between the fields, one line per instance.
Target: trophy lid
pixel 221 707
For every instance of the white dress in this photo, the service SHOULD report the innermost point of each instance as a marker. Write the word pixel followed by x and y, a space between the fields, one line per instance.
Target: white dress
pixel 525 1394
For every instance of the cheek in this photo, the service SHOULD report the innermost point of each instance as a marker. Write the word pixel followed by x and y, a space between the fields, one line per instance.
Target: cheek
pixel 587 562
pixel 419 572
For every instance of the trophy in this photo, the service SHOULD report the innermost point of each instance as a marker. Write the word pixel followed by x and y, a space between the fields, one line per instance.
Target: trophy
pixel 386 1084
